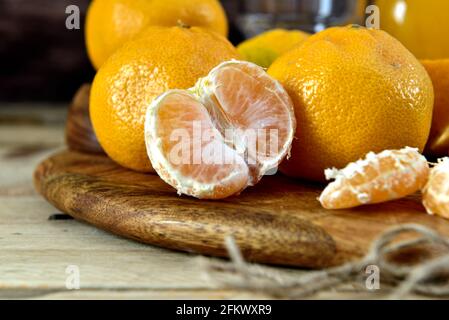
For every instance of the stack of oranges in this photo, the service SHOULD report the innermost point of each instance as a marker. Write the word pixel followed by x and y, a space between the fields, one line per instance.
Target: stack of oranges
pixel 143 48
pixel 165 67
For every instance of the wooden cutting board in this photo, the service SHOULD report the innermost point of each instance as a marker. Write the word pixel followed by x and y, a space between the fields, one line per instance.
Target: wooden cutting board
pixel 279 221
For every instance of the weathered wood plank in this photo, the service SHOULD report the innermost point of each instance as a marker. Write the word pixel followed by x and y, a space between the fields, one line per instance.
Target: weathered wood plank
pixel 17 163
pixel 113 268
pixel 35 252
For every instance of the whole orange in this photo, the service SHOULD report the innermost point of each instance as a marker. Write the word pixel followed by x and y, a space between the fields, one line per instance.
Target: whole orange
pixel 355 90
pixel 438 144
pixel 161 58
pixel 110 23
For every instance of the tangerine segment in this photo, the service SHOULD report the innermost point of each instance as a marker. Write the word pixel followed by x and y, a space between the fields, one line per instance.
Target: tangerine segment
pixel 187 160
pixel 223 135
pixel 389 175
pixel 256 108
pixel 436 191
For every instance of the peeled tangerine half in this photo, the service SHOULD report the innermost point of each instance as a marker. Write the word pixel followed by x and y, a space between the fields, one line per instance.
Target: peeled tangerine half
pixel 214 140
pixel 389 175
pixel 436 191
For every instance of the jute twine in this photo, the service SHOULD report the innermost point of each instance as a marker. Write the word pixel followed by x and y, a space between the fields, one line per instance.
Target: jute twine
pixel 429 277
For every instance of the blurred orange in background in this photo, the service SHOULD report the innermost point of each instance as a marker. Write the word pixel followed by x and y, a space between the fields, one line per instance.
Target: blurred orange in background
pixel 111 23
pixel 421 25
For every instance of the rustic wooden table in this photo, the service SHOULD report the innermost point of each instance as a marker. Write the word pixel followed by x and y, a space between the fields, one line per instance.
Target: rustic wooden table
pixel 35 251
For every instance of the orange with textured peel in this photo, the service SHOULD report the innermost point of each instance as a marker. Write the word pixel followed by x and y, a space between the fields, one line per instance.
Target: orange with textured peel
pixel 355 90
pixel 389 175
pixel 223 135
pixel 158 60
pixel 111 23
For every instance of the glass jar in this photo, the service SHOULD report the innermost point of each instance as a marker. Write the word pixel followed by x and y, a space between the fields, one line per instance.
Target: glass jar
pixel 312 16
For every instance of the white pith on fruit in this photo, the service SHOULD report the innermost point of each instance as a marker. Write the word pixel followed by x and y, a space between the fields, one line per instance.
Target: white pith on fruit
pixel 407 175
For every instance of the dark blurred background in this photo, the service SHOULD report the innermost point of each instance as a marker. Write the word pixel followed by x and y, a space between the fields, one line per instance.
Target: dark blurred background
pixel 41 60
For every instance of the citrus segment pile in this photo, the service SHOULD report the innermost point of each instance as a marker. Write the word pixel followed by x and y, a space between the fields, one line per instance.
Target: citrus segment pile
pixel 251 101
pixel 389 175
pixel 223 135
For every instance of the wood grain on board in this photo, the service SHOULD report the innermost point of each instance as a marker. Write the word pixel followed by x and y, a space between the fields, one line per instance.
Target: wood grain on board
pixel 279 221
pixel 144 208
